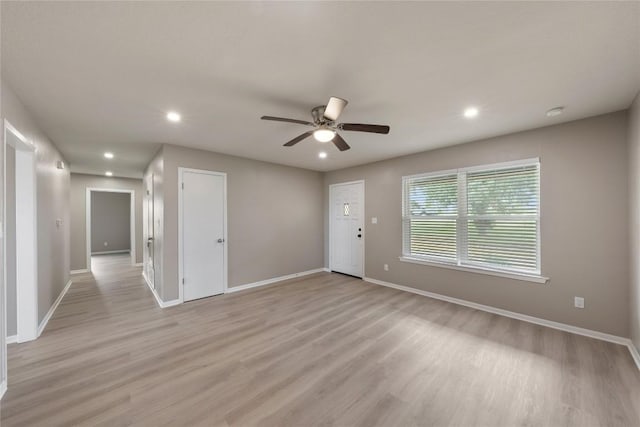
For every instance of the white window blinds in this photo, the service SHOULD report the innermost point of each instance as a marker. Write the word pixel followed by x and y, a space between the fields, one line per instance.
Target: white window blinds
pixel 486 217
pixel 431 214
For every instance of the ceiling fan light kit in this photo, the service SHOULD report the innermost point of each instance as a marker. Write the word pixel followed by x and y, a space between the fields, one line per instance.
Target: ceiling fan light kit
pixel 326 128
pixel 324 134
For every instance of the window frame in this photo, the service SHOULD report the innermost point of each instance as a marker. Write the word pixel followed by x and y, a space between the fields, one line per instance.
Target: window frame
pixel 461 262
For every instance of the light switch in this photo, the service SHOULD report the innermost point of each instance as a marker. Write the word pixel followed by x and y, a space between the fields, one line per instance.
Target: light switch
pixel 374 220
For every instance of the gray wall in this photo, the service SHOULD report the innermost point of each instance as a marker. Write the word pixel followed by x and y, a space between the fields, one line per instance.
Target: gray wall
pixel 584 213
pixel 274 215
pixel 110 221
pixel 634 218
pixel 52 204
pixel 79 185
pixel 10 220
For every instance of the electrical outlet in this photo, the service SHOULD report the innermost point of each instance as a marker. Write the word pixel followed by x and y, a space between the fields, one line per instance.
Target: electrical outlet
pixel 106 243
pixel 578 302
pixel 386 267
pixel 374 220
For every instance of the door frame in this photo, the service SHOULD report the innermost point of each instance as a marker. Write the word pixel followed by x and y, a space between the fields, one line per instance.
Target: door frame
pixel 27 228
pixel 364 221
pixel 225 256
pixel 132 220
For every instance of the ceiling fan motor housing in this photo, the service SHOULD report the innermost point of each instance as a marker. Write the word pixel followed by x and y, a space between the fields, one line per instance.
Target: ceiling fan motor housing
pixel 318 114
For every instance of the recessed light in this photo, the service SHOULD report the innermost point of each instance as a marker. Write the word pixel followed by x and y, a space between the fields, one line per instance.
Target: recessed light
pixel 108 155
pixel 172 116
pixel 108 173
pixel 556 111
pixel 471 112
pixel 322 155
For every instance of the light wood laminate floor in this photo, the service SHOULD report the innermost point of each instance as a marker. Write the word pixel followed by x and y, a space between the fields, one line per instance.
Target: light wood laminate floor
pixel 323 350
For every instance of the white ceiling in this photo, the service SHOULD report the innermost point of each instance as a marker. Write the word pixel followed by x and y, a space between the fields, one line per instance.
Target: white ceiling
pixel 100 76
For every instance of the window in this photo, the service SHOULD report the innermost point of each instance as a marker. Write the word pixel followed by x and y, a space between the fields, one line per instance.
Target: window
pixel 484 217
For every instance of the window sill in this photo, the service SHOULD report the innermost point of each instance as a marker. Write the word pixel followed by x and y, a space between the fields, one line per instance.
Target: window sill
pixel 480 270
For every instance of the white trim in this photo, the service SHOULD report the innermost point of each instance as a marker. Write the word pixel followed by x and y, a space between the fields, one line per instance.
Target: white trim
pixel 171 303
pixel 122 251
pixel 480 270
pixel 273 280
pixel 132 221
pixel 635 355
pixel 3 388
pixel 8 126
pixel 84 270
pixel 138 264
pixel 518 316
pixel 12 339
pixel 225 284
pixel 26 247
pixel 363 216
pixel 53 308
pixel 161 303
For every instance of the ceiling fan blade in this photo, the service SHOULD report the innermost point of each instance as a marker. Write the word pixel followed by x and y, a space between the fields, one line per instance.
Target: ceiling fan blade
pixel 283 119
pixel 298 138
pixel 340 143
pixel 334 108
pixel 357 127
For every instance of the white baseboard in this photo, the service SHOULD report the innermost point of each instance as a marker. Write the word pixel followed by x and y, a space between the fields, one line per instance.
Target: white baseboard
pixel 634 353
pixel 55 305
pixel 12 339
pixel 273 280
pixel 3 388
pixel 84 270
pixel 165 304
pixel 161 304
pixel 519 316
pixel 121 251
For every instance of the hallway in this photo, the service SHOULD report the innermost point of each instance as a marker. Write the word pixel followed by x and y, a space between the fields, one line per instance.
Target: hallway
pixel 48 376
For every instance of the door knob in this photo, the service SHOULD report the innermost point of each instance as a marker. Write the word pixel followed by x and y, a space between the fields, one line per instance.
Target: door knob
pixel 220 240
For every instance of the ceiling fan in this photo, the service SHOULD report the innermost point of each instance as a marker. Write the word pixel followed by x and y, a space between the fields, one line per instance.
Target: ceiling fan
pixel 325 126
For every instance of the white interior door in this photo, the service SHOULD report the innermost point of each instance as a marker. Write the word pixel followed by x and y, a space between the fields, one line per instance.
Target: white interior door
pixel 149 231
pixel 347 228
pixel 203 233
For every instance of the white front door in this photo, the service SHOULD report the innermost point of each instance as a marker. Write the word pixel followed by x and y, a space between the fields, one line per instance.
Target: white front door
pixel 347 228
pixel 203 219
